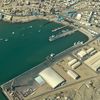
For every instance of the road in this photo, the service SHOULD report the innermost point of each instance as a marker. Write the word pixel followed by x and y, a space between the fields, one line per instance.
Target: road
pixel 67 85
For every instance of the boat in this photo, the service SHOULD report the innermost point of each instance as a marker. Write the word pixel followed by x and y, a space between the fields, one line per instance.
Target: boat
pixel 30 26
pixel 63 31
pixel 6 40
pixel 13 33
pixel 78 43
pixel 39 30
pixel 1 39
pixel 51 38
pixel 50 57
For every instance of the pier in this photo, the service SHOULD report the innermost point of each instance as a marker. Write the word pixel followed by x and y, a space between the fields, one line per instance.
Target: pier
pixel 59 28
pixel 54 37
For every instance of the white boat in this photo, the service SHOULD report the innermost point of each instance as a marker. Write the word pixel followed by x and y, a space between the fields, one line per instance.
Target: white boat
pixel 52 55
pixel 1 39
pixel 39 30
pixel 13 33
pixel 30 26
pixel 6 40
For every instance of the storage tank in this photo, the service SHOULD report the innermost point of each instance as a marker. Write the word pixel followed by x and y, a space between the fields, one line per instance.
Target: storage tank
pixel 76 65
pixel 70 63
pixel 73 74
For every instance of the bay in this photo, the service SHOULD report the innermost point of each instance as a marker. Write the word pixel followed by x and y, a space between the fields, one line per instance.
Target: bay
pixel 25 45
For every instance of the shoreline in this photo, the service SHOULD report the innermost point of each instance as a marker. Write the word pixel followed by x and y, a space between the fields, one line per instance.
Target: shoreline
pixel 59 54
pixel 25 19
pixel 38 67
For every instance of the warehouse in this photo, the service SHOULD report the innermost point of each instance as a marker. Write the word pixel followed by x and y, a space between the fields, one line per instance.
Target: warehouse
pixel 73 74
pixel 82 53
pixel 76 65
pixel 94 62
pixel 90 50
pixel 73 61
pixel 51 77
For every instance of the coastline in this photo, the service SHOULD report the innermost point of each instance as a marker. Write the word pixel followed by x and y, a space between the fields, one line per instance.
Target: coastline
pixel 23 19
pixel 28 12
pixel 37 67
pixel 48 18
pixel 26 19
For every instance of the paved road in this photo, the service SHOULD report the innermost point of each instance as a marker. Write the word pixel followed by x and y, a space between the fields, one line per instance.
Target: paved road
pixel 67 85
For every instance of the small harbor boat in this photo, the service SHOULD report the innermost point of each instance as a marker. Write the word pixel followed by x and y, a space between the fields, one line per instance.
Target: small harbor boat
pixel 1 39
pixel 39 30
pixel 30 26
pixel 50 57
pixel 78 43
pixel 6 40
pixel 51 37
pixel 13 33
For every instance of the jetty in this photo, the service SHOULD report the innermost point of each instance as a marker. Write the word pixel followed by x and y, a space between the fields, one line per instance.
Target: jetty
pixel 59 28
pixel 55 37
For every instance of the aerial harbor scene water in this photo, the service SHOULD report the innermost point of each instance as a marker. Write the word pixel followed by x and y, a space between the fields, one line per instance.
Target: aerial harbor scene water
pixel 49 50
pixel 26 45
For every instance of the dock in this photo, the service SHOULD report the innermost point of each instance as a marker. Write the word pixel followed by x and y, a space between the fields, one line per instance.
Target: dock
pixel 55 37
pixel 59 28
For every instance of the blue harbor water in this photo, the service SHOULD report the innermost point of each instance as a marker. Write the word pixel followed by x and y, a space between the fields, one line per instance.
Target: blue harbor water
pixel 24 45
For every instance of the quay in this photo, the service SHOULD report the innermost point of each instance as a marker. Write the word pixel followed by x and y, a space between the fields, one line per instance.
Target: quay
pixel 24 86
pixel 22 82
pixel 55 37
pixel 13 87
pixel 73 74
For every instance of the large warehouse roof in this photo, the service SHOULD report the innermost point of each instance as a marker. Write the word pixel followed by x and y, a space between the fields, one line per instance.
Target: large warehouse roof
pixel 94 62
pixel 51 77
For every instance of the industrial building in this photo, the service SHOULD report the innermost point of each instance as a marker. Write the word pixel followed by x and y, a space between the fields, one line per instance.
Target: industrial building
pixel 51 77
pixel 76 65
pixel 73 61
pixel 94 62
pixel 73 74
pixel 81 53
pixel 90 50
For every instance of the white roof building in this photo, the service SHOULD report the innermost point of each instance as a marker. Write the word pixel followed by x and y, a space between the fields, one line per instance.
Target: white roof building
pixel 76 65
pixel 79 16
pixel 94 62
pixel 39 80
pixel 82 53
pixel 51 77
pixel 90 50
pixel 70 63
pixel 73 74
